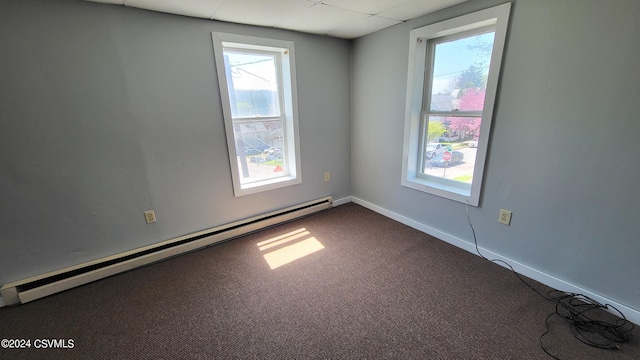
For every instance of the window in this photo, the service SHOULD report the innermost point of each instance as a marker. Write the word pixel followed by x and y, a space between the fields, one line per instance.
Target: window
pixel 451 87
pixel 258 90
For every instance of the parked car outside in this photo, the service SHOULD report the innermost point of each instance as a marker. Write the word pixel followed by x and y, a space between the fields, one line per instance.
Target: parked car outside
pixel 474 142
pixel 456 158
pixel 272 151
pixel 435 149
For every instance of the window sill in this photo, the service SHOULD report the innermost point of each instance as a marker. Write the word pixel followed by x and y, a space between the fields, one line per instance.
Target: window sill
pixel 448 189
pixel 265 185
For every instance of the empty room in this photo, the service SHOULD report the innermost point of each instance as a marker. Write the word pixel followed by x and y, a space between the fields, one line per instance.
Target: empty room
pixel 319 179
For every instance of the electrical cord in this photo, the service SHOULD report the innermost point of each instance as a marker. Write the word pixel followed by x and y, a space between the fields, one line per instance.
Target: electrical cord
pixel 475 241
pixel 579 310
pixel 582 313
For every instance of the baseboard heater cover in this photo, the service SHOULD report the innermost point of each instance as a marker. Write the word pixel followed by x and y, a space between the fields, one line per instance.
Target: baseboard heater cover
pixel 23 291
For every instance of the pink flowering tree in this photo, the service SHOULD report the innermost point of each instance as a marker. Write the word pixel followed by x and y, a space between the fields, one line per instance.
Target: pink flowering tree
pixel 472 99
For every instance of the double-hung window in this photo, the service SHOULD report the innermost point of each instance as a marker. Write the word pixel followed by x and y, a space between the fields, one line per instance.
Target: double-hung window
pixel 258 91
pixel 453 76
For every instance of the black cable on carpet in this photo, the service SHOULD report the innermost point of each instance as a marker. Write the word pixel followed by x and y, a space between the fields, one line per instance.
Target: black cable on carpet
pixel 589 321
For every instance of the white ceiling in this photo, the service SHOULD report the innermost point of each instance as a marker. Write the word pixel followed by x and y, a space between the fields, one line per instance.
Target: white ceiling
pixel 347 19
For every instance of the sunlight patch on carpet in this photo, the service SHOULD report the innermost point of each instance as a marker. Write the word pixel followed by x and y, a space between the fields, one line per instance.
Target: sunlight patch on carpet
pixel 289 247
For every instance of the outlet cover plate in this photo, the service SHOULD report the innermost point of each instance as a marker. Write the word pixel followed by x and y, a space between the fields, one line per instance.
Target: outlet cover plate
pixel 150 216
pixel 504 217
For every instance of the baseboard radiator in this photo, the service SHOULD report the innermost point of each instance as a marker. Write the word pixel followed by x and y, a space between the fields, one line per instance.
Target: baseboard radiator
pixel 37 287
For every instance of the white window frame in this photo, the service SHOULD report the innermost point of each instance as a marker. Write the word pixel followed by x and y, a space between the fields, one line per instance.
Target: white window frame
pixel 418 84
pixel 288 100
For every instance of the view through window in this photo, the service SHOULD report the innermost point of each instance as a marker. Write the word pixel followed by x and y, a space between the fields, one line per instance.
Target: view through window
pixel 254 92
pixel 454 67
pixel 452 113
pixel 257 86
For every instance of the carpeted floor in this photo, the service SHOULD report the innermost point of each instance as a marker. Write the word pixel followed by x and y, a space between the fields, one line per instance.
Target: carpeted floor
pixel 367 287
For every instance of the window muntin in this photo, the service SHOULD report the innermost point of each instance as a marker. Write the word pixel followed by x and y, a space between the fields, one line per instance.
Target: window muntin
pixel 450 99
pixel 257 86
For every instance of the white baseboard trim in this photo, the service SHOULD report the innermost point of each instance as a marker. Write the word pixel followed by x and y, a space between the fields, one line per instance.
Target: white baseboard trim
pixel 342 201
pixel 631 314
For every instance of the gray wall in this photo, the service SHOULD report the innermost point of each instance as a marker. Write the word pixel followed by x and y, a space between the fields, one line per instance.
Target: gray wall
pixel 562 153
pixel 108 111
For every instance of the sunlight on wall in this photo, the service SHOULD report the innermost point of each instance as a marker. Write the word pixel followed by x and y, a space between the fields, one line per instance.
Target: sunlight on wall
pixel 289 247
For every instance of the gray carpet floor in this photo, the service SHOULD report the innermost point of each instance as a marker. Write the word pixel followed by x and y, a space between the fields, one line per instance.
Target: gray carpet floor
pixel 346 283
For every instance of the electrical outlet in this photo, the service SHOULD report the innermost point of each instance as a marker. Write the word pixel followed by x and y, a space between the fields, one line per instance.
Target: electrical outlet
pixel 327 176
pixel 504 217
pixel 150 216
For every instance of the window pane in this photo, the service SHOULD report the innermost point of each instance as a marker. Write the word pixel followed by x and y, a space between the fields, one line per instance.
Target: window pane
pixel 253 89
pixel 460 69
pixel 260 149
pixel 450 147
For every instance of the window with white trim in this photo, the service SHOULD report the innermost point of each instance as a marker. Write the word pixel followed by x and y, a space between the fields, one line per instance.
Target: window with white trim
pixel 451 88
pixel 258 90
